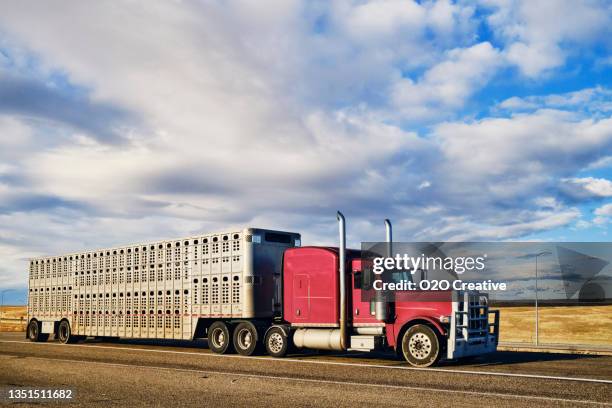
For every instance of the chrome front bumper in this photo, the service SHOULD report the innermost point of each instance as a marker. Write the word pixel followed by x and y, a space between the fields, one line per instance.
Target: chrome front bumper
pixel 473 328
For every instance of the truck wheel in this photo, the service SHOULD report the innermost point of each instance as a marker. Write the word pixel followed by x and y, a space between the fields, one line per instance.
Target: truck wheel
pixel 420 346
pixel 34 333
pixel 276 342
pixel 219 338
pixel 64 333
pixel 246 340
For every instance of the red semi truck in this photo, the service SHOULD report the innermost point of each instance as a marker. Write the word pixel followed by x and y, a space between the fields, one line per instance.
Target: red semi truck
pixel 245 291
pixel 321 310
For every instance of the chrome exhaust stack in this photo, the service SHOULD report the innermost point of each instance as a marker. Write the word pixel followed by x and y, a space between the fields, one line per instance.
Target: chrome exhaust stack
pixel 342 278
pixel 380 307
pixel 388 236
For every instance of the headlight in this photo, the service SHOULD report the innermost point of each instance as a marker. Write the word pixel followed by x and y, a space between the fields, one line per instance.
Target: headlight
pixel 444 319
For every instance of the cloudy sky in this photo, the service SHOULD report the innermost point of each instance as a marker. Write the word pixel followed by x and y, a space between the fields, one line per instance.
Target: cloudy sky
pixel 129 121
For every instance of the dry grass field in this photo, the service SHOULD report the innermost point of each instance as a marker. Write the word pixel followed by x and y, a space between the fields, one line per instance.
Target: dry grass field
pixel 559 324
pixel 13 318
pixel 562 324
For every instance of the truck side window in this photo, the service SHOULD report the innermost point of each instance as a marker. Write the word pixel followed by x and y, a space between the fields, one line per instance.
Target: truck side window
pixel 357 280
pixel 279 238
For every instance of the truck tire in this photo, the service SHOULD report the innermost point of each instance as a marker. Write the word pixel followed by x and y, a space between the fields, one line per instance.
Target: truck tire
pixel 64 333
pixel 246 339
pixel 420 346
pixel 220 338
pixel 277 343
pixel 34 333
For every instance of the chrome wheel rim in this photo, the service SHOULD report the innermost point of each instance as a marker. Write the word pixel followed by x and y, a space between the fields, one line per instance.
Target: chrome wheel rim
pixel 419 346
pixel 245 339
pixel 275 342
pixel 218 338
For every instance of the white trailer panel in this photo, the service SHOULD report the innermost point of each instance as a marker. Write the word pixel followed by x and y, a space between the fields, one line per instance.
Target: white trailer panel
pixel 161 289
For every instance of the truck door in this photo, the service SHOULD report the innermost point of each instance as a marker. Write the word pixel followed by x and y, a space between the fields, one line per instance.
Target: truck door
pixel 363 311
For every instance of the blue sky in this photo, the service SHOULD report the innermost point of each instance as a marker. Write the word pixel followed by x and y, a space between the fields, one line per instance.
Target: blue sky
pixel 133 121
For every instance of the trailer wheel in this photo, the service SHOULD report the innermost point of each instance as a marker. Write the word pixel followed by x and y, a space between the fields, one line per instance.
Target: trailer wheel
pixel 246 339
pixel 219 338
pixel 420 346
pixel 34 333
pixel 276 342
pixel 64 333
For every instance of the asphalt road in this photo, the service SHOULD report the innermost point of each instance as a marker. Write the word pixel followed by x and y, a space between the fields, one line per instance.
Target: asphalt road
pixel 151 373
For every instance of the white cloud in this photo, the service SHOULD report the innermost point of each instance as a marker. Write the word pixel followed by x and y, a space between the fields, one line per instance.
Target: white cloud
pixel 424 184
pixel 448 84
pixel 542 142
pixel 539 34
pixel 501 171
pixel 601 163
pixel 550 203
pixel 17 136
pixel 516 103
pixel 603 215
pixel 605 210
pixel 532 59
pixel 462 229
pixel 588 187
pixel 372 21
pixel 384 18
pixel 595 101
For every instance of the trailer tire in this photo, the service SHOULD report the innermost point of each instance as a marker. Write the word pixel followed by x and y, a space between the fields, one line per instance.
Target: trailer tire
pixel 64 333
pixel 220 338
pixel 246 339
pixel 277 342
pixel 421 346
pixel 34 333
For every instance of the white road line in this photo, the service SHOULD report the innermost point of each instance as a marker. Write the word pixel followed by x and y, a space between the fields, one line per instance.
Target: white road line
pixel 336 363
pixel 332 382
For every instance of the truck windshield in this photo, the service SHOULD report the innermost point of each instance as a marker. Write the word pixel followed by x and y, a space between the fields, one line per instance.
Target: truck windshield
pixel 398 276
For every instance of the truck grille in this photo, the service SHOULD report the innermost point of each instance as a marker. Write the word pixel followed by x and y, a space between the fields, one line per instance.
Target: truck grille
pixel 472 317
